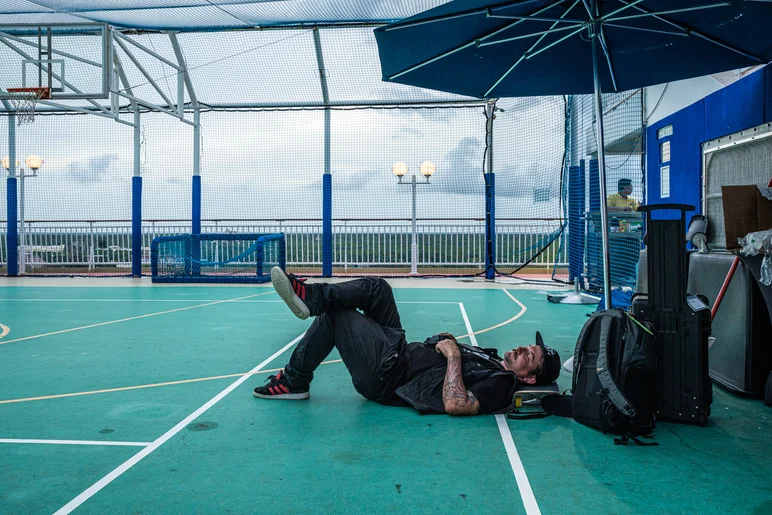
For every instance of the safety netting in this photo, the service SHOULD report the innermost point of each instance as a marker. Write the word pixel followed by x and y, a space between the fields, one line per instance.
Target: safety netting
pixel 582 249
pixel 273 131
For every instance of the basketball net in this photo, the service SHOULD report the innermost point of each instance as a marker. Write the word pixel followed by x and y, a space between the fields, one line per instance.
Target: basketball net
pixel 24 101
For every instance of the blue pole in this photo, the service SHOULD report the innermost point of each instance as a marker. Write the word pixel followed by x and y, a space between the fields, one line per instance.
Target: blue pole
pixel 594 239
pixel 196 226
pixel 136 226
pixel 196 211
pixel 576 203
pixel 260 257
pixel 594 186
pixel 283 252
pixel 154 258
pixel 12 236
pixel 490 226
pixel 327 225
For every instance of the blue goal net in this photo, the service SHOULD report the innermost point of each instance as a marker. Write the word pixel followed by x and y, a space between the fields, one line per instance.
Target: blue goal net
pixel 216 258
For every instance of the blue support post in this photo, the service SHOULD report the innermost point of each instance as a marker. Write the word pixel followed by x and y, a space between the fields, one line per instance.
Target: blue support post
pixel 187 249
pixel 196 226
pixel 594 239
pixel 576 231
pixel 490 226
pixel 260 257
pixel 12 236
pixel 594 186
pixel 327 225
pixel 154 258
pixel 136 226
pixel 282 252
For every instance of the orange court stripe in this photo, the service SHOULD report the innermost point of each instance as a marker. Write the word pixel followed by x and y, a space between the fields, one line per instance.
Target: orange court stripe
pixel 523 309
pixel 138 387
pixel 132 318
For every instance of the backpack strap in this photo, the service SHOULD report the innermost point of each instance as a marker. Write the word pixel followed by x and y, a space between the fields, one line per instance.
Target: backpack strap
pixel 579 349
pixel 624 439
pixel 615 395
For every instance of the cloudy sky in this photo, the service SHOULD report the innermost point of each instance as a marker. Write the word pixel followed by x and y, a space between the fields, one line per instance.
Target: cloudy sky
pixel 269 165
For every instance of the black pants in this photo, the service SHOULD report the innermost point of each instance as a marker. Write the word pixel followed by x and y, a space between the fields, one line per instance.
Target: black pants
pixel 369 343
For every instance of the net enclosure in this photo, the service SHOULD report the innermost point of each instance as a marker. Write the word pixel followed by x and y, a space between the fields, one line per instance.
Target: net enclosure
pixel 216 258
pixel 271 117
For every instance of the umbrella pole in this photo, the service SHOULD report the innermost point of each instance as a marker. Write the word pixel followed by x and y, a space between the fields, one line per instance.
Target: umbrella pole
pixel 601 170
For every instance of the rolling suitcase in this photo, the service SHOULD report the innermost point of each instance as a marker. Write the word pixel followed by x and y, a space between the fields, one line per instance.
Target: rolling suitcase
pixel 681 322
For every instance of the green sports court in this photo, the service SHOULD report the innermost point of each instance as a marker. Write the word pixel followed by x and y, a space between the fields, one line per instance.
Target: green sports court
pixel 120 398
pixel 593 172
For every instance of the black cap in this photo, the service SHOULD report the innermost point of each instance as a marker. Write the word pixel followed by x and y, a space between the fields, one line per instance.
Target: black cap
pixel 550 370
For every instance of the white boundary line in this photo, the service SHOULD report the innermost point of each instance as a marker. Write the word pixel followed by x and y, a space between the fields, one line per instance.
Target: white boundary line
pixel 524 487
pixel 126 465
pixel 74 442
pixel 194 300
pixel 100 324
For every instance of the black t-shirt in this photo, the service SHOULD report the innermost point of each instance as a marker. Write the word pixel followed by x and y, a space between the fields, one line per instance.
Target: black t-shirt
pixel 492 393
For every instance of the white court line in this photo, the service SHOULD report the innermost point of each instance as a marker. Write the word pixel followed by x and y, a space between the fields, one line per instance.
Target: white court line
pixel 100 324
pixel 74 442
pixel 126 465
pixel 526 493
pixel 193 300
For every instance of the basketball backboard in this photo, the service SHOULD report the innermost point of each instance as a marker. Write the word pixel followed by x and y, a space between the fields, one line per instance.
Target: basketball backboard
pixel 72 60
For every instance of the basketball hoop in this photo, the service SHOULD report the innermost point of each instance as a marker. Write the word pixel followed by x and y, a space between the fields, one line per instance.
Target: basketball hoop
pixel 24 100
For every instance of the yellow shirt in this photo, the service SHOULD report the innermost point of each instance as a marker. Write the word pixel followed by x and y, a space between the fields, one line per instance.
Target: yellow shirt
pixel 617 203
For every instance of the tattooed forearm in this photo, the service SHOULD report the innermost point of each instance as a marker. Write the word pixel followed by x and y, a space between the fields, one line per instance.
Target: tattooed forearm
pixel 455 397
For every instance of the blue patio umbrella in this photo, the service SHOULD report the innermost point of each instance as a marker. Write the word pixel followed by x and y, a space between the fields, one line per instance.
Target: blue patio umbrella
pixel 489 49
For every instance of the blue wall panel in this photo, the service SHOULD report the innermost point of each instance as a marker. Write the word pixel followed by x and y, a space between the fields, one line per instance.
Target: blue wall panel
pixel 685 158
pixel 736 107
pixel 742 105
pixel 768 94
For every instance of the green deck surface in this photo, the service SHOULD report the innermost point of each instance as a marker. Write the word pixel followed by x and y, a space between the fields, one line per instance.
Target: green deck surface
pixel 337 452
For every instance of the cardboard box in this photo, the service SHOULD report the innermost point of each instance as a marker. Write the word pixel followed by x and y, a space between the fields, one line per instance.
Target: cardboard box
pixel 745 210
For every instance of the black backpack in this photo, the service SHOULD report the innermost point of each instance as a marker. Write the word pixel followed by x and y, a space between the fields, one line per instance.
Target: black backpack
pixel 614 377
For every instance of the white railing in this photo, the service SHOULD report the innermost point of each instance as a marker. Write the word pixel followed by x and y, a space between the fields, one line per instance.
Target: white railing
pixel 356 243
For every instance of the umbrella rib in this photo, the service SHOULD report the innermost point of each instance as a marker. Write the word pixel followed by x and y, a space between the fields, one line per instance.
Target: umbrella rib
pixel 532 35
pixel 468 44
pixel 522 57
pixel 627 6
pixel 587 8
pixel 669 11
pixel 446 17
pixel 577 31
pixel 535 18
pixel 670 33
pixel 604 46
pixel 689 31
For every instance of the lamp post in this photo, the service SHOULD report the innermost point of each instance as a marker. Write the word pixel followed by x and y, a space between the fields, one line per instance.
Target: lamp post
pixel 33 163
pixel 427 169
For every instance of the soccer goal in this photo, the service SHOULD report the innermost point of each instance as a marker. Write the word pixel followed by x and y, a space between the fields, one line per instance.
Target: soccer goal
pixel 216 258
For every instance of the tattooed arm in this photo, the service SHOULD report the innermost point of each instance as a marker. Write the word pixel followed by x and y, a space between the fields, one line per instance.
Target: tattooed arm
pixel 456 398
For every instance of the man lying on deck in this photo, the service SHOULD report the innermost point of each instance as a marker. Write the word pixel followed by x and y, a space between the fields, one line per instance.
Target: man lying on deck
pixel 439 375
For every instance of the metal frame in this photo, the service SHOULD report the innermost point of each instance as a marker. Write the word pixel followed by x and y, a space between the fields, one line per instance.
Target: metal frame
pixel 730 140
pixel 9 39
pixel 113 77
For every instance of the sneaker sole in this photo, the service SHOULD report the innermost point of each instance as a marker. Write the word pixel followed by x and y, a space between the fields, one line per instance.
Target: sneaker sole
pixel 283 287
pixel 285 396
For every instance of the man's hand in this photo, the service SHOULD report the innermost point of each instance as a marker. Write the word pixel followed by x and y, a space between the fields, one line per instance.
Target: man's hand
pixel 448 348
pixel 449 336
